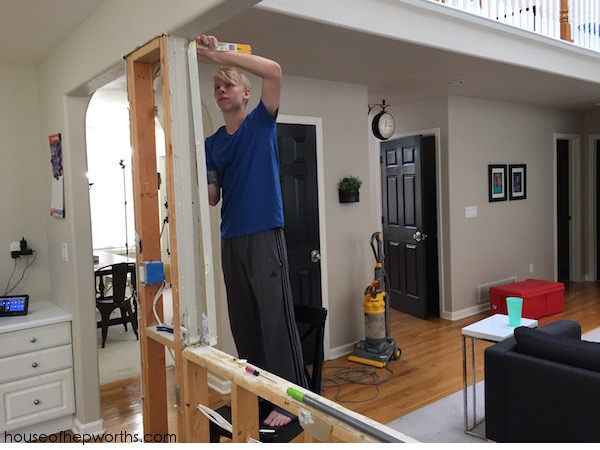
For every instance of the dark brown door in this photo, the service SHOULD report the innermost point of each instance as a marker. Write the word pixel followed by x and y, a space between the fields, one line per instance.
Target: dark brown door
pixel 598 210
pixel 563 208
pixel 403 227
pixel 298 176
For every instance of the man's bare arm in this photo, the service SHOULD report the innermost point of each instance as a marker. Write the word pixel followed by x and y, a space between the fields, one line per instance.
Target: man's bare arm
pixel 214 189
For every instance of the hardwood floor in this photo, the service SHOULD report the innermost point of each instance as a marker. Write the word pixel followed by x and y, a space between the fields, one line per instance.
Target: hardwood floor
pixel 429 369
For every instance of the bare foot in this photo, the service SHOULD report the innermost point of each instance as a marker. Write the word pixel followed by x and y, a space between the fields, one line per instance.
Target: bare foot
pixel 276 419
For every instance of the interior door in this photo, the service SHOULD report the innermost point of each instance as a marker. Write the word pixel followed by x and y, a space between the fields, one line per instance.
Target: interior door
pixel 563 209
pixel 298 176
pixel 597 146
pixel 403 235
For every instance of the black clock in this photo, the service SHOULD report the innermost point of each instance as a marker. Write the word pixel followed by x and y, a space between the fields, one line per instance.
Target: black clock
pixel 383 125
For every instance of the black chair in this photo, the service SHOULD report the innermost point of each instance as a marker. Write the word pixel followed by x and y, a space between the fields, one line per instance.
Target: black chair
pixel 118 275
pixel 310 321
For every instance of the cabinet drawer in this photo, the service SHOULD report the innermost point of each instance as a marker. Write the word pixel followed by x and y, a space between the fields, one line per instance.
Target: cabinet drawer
pixel 36 338
pixel 30 364
pixel 36 399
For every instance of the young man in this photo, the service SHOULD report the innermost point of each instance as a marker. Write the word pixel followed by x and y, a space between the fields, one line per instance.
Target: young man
pixel 243 162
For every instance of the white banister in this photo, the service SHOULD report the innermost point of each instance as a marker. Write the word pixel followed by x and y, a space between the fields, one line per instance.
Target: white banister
pixel 541 16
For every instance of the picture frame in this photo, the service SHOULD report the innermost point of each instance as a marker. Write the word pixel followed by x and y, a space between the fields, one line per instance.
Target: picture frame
pixel 497 182
pixel 518 181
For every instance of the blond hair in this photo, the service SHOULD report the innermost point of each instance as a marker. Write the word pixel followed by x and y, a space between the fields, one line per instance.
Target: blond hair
pixel 233 76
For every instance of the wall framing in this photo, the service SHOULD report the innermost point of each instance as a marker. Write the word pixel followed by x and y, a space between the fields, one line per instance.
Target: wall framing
pixel 191 272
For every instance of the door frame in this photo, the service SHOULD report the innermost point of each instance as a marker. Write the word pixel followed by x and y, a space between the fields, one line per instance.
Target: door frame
pixel 592 202
pixel 318 124
pixel 440 219
pixel 574 204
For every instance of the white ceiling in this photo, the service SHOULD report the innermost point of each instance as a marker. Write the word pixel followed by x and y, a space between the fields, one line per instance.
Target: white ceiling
pixel 30 28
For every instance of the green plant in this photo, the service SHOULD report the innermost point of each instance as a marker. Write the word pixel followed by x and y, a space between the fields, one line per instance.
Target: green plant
pixel 350 183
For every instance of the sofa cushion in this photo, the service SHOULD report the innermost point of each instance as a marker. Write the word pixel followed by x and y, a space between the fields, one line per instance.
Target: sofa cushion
pixel 564 350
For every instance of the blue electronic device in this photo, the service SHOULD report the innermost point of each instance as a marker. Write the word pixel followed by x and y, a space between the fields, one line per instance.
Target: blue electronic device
pixel 151 272
pixel 14 305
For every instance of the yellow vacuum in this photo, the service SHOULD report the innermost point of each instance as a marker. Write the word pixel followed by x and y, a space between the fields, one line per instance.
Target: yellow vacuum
pixel 378 347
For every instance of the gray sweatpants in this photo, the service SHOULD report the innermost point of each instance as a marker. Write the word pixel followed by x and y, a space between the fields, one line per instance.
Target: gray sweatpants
pixel 261 308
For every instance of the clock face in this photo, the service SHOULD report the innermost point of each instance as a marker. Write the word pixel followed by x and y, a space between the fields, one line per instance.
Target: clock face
pixel 386 125
pixel 383 125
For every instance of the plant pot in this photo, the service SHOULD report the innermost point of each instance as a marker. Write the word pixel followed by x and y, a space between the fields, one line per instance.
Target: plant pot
pixel 348 196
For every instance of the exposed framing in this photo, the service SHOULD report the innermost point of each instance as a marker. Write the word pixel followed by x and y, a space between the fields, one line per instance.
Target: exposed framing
pixel 191 266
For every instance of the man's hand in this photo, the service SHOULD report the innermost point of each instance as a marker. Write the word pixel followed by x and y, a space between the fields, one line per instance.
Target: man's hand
pixel 210 42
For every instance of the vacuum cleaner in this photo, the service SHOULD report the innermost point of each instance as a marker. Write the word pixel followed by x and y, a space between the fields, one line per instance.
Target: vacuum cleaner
pixel 378 347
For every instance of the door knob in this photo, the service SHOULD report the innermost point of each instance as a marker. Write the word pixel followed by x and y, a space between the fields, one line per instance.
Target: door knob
pixel 418 236
pixel 315 256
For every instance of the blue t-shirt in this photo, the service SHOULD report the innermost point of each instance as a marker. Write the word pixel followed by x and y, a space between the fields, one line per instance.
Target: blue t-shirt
pixel 247 163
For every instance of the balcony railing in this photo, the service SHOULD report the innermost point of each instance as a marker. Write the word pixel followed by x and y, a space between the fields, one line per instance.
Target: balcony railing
pixel 576 21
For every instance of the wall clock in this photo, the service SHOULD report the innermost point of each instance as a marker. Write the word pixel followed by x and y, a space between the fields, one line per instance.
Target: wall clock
pixel 383 125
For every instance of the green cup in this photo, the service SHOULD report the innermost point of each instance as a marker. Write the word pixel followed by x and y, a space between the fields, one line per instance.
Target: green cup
pixel 514 305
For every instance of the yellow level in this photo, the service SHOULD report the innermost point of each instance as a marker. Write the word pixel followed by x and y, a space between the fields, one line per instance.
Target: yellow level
pixel 229 47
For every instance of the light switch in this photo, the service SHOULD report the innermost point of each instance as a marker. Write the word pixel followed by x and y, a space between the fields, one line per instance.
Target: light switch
pixel 64 252
pixel 470 211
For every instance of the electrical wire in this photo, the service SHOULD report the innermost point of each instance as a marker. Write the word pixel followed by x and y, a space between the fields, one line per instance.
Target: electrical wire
pixel 27 265
pixel 219 420
pixel 10 278
pixel 356 375
pixel 156 297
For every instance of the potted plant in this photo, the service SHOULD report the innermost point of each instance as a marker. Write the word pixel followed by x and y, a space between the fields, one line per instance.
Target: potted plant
pixel 348 189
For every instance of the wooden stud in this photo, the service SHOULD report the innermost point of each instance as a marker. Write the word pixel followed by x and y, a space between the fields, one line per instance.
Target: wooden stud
pixel 195 391
pixel 244 414
pixel 168 130
pixel 145 186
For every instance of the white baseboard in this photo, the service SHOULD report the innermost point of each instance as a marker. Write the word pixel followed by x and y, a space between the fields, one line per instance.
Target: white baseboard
pixel 457 315
pixel 343 350
pixel 89 429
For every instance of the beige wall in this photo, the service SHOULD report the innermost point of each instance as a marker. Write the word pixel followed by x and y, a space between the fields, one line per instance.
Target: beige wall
pixel 506 236
pixel 592 134
pixel 24 206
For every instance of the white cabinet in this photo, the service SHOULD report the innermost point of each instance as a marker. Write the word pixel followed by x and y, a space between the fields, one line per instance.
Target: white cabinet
pixel 36 371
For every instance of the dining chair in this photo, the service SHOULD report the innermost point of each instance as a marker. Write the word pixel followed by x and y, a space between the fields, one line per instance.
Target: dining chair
pixel 111 293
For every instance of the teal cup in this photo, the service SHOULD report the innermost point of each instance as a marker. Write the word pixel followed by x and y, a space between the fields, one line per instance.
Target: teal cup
pixel 514 305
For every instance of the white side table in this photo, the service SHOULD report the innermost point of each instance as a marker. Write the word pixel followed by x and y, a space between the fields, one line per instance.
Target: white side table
pixel 492 329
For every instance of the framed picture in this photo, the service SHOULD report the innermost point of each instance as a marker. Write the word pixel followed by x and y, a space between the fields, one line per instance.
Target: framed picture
pixel 497 182
pixel 518 187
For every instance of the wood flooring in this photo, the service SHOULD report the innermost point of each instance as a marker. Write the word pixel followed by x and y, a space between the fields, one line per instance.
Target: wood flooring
pixel 429 369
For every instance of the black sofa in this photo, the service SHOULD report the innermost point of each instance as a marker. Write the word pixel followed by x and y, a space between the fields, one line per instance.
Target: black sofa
pixel 543 385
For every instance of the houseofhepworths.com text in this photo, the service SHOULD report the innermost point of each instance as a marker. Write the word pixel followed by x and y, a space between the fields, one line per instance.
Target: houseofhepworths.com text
pixel 68 437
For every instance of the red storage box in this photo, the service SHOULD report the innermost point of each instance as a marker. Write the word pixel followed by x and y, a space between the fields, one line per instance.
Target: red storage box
pixel 540 298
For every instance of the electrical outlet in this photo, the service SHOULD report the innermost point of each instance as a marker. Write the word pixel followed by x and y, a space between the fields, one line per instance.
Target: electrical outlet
pixel 15 248
pixel 64 252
